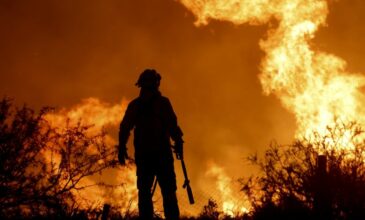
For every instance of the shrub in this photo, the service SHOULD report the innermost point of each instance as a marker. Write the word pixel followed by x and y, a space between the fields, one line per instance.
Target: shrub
pixel 291 183
pixel 41 167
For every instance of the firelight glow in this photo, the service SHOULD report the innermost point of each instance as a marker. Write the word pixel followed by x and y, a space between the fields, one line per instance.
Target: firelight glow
pixel 312 84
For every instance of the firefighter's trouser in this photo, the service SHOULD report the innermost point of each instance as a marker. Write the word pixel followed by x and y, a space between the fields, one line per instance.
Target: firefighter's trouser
pixel 161 166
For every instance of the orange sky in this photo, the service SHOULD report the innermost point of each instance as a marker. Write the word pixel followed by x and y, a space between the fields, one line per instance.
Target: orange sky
pixel 59 52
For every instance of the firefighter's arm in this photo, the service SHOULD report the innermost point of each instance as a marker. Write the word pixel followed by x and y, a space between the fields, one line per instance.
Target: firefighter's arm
pixel 175 131
pixel 177 137
pixel 125 128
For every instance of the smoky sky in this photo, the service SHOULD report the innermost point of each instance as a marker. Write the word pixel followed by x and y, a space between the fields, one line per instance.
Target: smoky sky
pixel 56 53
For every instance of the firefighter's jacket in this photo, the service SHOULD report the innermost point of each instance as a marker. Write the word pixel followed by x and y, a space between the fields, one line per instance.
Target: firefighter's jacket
pixel 154 122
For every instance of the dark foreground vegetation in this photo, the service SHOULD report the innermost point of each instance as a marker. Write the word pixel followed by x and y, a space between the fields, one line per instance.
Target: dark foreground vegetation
pixel 41 166
pixel 321 177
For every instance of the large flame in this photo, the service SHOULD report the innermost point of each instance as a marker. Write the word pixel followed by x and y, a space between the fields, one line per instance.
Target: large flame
pixel 90 111
pixel 312 84
pixel 99 115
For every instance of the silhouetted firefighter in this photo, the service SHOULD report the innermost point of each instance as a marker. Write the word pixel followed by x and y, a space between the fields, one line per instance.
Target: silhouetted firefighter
pixel 154 122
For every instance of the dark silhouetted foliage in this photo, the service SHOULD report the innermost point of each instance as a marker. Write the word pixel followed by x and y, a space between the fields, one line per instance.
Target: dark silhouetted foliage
pixel 41 166
pixel 291 184
pixel 210 211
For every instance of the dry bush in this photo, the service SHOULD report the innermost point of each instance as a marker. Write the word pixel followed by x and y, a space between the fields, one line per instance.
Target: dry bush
pixel 41 167
pixel 290 185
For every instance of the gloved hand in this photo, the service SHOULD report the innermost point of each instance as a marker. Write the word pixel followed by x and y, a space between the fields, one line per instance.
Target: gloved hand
pixel 122 155
pixel 179 150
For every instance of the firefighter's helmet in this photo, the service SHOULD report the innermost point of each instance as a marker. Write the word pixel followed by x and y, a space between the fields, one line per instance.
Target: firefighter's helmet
pixel 149 79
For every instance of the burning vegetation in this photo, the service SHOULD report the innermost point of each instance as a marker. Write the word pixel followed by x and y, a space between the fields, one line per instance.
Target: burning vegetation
pixel 62 164
pixel 43 168
pixel 62 172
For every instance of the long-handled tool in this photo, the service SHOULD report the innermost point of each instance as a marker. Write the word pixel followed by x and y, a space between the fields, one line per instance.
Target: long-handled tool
pixel 187 182
pixel 154 186
pixel 186 185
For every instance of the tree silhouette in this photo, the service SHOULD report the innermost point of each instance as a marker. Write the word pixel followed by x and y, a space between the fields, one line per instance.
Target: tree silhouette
pixel 292 184
pixel 210 210
pixel 41 167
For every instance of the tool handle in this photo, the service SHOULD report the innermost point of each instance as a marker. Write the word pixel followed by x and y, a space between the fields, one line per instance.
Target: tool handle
pixel 184 170
pixel 187 183
pixel 190 194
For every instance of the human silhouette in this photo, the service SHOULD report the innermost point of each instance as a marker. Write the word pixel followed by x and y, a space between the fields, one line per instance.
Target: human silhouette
pixel 154 122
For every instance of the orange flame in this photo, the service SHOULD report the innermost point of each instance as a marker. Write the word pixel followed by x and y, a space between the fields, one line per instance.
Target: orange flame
pixel 97 114
pixel 231 203
pixel 90 111
pixel 312 84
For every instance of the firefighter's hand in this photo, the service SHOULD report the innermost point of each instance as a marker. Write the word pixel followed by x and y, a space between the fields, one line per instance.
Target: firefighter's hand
pixel 179 150
pixel 122 155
